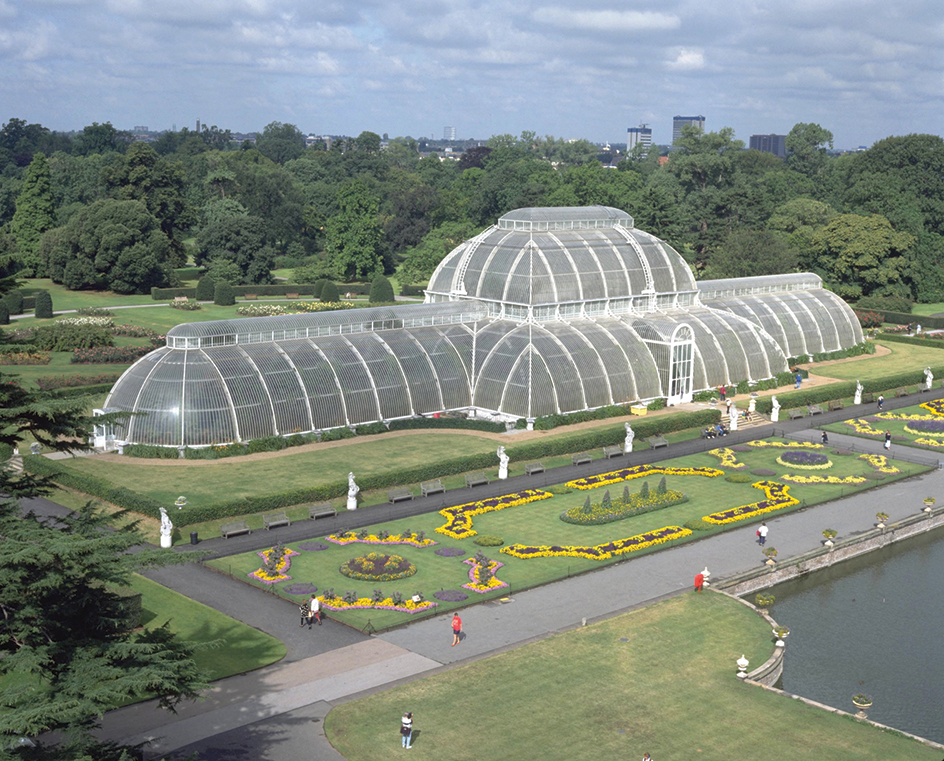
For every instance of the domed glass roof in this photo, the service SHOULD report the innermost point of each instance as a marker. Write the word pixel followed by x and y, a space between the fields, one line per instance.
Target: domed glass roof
pixel 559 255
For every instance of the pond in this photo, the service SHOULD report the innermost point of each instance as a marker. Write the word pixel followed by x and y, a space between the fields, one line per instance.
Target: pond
pixel 871 625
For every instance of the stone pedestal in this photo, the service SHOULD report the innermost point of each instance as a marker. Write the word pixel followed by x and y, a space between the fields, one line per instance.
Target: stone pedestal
pixel 166 541
pixel 352 503
pixel 503 471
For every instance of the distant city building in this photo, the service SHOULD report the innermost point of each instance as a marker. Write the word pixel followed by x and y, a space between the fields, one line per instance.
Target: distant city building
pixel 775 144
pixel 686 121
pixel 449 133
pixel 641 135
pixel 141 129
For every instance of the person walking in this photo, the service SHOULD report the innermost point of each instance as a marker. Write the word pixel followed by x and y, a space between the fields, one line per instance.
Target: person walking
pixel 723 391
pixel 799 380
pixel 646 757
pixel 314 611
pixel 825 438
pixel 406 730
pixel 456 629
pixel 762 534
pixel 888 440
pixel 881 402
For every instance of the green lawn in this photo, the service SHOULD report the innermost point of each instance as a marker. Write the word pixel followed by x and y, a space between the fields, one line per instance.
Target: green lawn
pixel 659 680
pixel 903 357
pixel 538 523
pixel 62 298
pixel 927 309
pixel 239 647
pixel 873 424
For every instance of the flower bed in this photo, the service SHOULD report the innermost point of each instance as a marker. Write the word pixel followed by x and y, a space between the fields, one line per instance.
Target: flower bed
pixel 761 443
pixel 375 566
pixel 863 427
pixel 388 603
pixel 459 518
pixel 47 383
pixel 638 471
pixel 302 588
pixel 925 427
pixel 728 458
pixel 879 462
pixel 109 355
pixel 929 442
pixel 351 538
pixel 804 460
pixel 475 584
pixel 280 570
pixel 833 480
pixel 450 552
pixel 599 551
pixel 450 595
pixel 903 416
pixel 25 357
pixel 778 497
pixel 936 406
pixel 620 509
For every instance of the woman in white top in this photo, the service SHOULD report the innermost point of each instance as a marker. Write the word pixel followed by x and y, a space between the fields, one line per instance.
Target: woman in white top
pixel 406 730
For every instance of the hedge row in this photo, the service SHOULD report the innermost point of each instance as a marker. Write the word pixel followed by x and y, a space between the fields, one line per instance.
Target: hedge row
pixel 935 343
pixel 866 347
pixel 92 390
pixel 302 289
pixel 413 290
pixel 904 318
pixel 410 424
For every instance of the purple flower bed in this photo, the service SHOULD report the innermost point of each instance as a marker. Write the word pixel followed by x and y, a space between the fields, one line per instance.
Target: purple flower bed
pixel 797 457
pixel 301 589
pixel 312 546
pixel 450 552
pixel 933 427
pixel 764 472
pixel 740 448
pixel 450 595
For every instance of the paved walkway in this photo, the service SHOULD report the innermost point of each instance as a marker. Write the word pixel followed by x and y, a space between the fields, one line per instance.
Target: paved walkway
pixel 276 712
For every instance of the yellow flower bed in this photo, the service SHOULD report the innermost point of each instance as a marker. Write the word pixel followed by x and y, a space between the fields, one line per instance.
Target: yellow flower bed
pixel 728 458
pixel 407 606
pixel 879 462
pixel 915 432
pixel 905 416
pixel 352 538
pixel 795 478
pixel 826 465
pixel 936 406
pixel 778 497
pixel 863 427
pixel 459 523
pixel 638 471
pixel 475 584
pixel 599 551
pixel 929 442
pixel 785 445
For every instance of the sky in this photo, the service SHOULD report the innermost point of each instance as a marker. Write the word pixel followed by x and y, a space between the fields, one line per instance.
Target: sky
pixel 864 69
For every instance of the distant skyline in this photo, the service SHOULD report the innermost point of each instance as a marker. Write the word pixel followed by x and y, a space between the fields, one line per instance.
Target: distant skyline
pixel 863 69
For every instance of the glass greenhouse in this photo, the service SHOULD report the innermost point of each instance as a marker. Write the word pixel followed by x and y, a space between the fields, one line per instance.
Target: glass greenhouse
pixel 549 310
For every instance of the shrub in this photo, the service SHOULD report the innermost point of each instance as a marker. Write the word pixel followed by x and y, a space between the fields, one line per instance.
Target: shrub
pixel 48 383
pixel 381 291
pixel 132 331
pixel 488 540
pixel 224 295
pixel 94 312
pixel 656 404
pixel 4 313
pixel 14 301
pixel 186 306
pixel 43 305
pixel 206 289
pixel 157 453
pixel 108 355
pixel 739 478
pixel 889 303
pixel 319 286
pixel 697 524
pixel 869 319
pixel 329 292
pixel 67 336
pixel 25 357
pixel 765 472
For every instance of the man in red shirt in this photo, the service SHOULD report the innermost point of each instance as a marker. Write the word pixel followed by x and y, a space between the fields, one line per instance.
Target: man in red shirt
pixel 456 629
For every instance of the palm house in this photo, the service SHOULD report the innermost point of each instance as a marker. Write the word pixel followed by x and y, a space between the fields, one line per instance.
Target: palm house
pixel 550 310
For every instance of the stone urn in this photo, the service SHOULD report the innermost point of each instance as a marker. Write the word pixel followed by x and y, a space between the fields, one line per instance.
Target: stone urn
pixel 863 703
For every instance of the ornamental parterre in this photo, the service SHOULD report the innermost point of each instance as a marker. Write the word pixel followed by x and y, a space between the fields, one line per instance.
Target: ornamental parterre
pixel 904 416
pixel 283 565
pixel 638 471
pixel 804 460
pixel 785 444
pixel 459 518
pixel 879 462
pixel 793 478
pixel 728 458
pixel 600 551
pixel 925 427
pixel 863 427
pixel 475 573
pixel 404 606
pixel 778 497
pixel 929 443
pixel 936 406
pixel 352 538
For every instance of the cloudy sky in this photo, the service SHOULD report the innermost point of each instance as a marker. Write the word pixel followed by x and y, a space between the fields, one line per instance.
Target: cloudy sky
pixel 864 69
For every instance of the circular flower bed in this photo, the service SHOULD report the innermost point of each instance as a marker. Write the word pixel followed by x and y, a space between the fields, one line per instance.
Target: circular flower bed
pixel 450 595
pixel 312 546
pixel 301 589
pixel 376 566
pixel 450 552
pixel 804 460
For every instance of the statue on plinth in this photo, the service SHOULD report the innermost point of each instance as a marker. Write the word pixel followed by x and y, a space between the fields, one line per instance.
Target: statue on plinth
pixel 167 530
pixel 630 435
pixel 733 417
pixel 774 410
pixel 503 460
pixel 352 490
pixel 928 378
pixel 857 399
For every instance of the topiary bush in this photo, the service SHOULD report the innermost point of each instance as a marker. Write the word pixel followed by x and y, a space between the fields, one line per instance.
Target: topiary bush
pixel 698 524
pixel 4 313
pixel 381 291
pixel 14 301
pixel 42 305
pixel 329 292
pixel 739 478
pixel 488 540
pixel 206 288
pixel 224 295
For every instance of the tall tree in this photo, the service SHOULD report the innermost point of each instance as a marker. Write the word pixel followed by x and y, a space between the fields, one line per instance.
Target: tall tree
pixel 280 142
pixel 35 213
pixel 100 138
pixel 241 241
pixel 353 236
pixel 806 148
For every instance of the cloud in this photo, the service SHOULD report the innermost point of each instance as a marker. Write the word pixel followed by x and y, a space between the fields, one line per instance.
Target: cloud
pixel 606 21
pixel 687 60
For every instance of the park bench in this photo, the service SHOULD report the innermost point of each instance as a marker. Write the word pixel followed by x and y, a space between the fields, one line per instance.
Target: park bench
pixel 181 299
pixel 274 520
pixel 534 467
pixel 796 414
pixel 814 409
pixel 476 479
pixel 581 458
pixel 250 296
pixel 655 442
pixel 835 404
pixel 291 295
pixel 901 392
pixel 614 451
pixel 322 510
pixel 432 487
pixel 709 433
pixel 399 494
pixel 236 527
pixel 868 398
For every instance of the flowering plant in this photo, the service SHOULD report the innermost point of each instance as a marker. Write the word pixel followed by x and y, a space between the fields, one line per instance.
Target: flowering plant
pixel 863 427
pixel 395 602
pixel 274 569
pixel 805 460
pixel 638 471
pixel 926 427
pixel 785 444
pixel 879 462
pixel 929 443
pixel 832 480
pixel 936 406
pixel 599 551
pixel 778 497
pixel 728 458
pixel 482 574
pixel 351 538
pixel 459 523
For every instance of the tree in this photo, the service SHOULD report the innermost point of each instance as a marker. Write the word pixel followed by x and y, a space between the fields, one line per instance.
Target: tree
pixel 224 295
pixel 800 219
pixel 281 142
pixel 381 290
pixel 4 313
pixel 14 301
pixel 42 305
pixel 747 253
pixel 35 213
pixel 241 241
pixel 369 142
pixel 329 292
pixel 806 148
pixel 205 288
pixel 353 235
pixel 476 156
pixel 64 623
pixel 99 138
pixel 423 259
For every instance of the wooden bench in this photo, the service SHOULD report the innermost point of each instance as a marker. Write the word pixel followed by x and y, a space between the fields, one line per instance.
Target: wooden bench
pixel 614 451
pixel 835 404
pixel 655 442
pixel 814 409
pixel 250 296
pixel 868 398
pixel 274 520
pixel 901 392
pixel 236 527
pixel 322 510
pixel 796 414
pixel 432 487
pixel 400 494
pixel 181 299
pixel 476 479
pixel 581 458
pixel 291 295
pixel 534 467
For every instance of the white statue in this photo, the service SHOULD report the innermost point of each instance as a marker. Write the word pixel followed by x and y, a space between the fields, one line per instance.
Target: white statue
pixel 503 460
pixel 751 408
pixel 733 417
pixel 928 378
pixel 352 490
pixel 167 530
pixel 774 410
pixel 630 435
pixel 857 399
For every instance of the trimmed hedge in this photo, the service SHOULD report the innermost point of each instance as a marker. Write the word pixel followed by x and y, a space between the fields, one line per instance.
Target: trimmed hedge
pixel 934 343
pixel 93 390
pixel 281 289
pixel 866 347
pixel 164 294
pixel 416 423
pixel 413 290
pixel 904 318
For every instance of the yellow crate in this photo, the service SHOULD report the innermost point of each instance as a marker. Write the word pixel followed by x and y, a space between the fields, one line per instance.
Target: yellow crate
pixel 638 409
